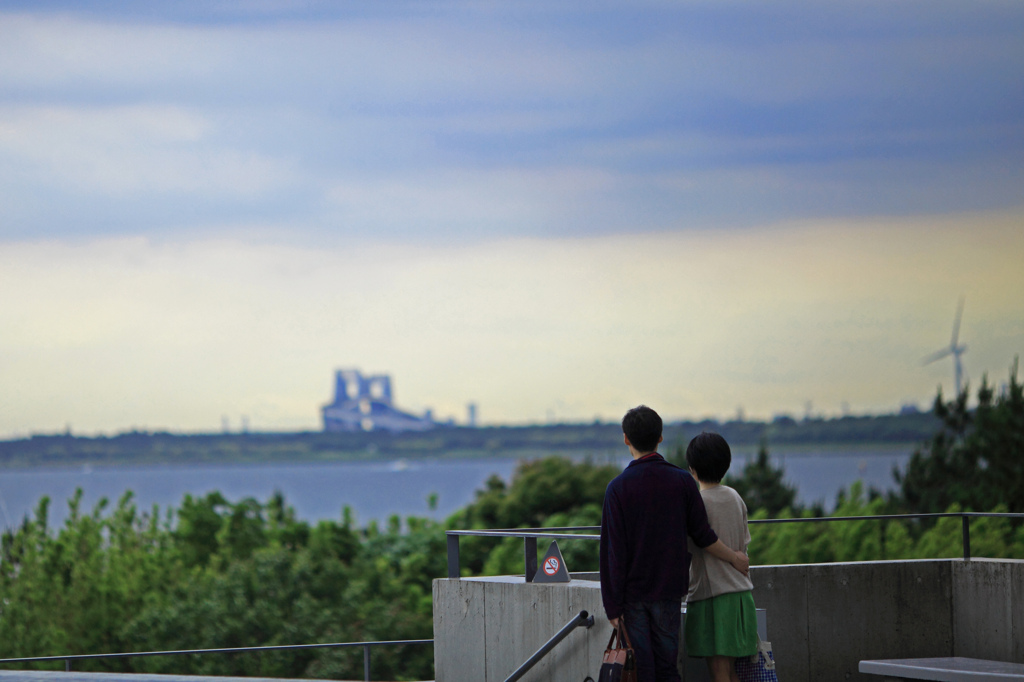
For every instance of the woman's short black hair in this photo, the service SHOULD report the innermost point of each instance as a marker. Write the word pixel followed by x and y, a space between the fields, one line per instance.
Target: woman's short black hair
pixel 709 456
pixel 642 427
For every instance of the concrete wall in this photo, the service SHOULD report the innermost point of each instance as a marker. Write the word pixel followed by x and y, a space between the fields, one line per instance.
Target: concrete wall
pixel 485 628
pixel 988 614
pixel 823 619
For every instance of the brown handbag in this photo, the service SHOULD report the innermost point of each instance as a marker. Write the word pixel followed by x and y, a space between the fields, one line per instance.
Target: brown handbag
pixel 618 663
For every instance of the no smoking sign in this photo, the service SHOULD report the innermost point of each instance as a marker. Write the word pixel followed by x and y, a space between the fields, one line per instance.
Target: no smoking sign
pixel 552 567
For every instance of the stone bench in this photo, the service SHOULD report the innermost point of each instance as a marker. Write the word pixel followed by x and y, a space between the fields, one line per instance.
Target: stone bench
pixel 950 669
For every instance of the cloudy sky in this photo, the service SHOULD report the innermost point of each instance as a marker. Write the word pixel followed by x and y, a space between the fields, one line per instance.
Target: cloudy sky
pixel 556 210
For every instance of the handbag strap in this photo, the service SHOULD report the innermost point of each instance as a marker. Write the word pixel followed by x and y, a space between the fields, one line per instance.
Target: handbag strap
pixel 623 635
pixel 611 640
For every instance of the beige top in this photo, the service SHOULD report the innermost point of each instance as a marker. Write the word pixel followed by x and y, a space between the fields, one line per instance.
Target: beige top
pixel 727 515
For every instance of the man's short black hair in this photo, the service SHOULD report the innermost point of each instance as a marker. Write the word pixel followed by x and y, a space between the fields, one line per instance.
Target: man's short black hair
pixel 709 456
pixel 642 427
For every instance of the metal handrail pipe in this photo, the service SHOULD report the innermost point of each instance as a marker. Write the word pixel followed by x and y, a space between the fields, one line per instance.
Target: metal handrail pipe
pixel 279 647
pixel 517 533
pixel 582 619
pixel 545 529
pixel 530 535
pixel 550 532
pixel 876 517
pixel 232 650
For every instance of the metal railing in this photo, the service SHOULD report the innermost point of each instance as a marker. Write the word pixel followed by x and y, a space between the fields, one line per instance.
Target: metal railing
pixel 530 535
pixel 582 619
pixel 282 647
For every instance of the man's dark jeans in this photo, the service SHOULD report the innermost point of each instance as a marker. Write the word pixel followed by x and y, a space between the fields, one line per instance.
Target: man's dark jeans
pixel 653 629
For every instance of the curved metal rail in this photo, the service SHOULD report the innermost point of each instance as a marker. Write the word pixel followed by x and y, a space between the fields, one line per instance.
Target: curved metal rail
pixel 582 619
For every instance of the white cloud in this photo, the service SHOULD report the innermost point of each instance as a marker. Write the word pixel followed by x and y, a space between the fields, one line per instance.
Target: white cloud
pixel 132 149
pixel 353 60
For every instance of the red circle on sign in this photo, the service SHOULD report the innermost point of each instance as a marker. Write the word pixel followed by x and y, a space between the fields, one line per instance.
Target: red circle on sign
pixel 551 565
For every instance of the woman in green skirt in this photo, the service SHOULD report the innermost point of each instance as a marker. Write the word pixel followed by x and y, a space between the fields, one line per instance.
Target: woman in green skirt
pixel 721 624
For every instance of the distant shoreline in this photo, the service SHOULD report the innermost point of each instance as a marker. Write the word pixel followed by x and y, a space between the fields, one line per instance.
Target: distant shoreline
pixel 596 440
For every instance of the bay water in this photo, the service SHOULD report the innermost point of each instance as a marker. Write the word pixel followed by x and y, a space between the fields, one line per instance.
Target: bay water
pixel 376 490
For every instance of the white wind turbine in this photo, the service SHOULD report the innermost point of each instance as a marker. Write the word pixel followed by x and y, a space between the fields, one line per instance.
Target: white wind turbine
pixel 956 349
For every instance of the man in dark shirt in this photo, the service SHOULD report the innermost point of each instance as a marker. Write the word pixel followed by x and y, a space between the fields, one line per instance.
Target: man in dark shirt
pixel 649 509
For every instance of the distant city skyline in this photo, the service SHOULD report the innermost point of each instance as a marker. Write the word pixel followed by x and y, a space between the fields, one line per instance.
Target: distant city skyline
pixel 554 212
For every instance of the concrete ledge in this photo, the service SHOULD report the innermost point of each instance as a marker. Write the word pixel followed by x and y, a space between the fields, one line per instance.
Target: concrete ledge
pixel 485 628
pixel 60 676
pixel 988 609
pixel 823 619
pixel 950 669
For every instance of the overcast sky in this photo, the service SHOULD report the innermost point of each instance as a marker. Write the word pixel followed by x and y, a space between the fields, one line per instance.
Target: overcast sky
pixel 556 210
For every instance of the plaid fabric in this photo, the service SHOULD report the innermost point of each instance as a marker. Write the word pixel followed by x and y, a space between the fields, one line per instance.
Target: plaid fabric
pixel 758 668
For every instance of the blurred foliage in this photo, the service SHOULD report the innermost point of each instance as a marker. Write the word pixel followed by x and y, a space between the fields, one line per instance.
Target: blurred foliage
pixel 551 492
pixel 879 539
pixel 975 459
pixel 219 574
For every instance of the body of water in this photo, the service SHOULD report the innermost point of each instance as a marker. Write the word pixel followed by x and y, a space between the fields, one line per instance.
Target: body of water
pixel 376 490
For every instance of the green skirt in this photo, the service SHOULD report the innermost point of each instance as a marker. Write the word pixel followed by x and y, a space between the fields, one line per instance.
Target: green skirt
pixel 725 625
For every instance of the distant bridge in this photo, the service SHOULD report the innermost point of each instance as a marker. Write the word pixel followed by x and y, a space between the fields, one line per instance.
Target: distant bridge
pixel 363 403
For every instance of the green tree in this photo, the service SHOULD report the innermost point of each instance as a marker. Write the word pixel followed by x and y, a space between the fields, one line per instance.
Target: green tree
pixel 762 485
pixel 73 590
pixel 199 521
pixel 976 459
pixel 542 493
pixel 230 574
pixel 539 488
